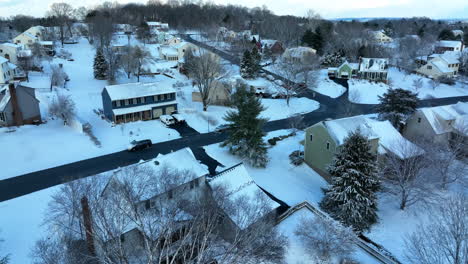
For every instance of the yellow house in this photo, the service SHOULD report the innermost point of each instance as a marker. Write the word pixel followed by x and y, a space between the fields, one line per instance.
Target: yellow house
pixel 439 65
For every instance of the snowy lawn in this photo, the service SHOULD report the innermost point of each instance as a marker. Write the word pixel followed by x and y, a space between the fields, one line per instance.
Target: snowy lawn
pixel 21 224
pixel 365 92
pixel 288 183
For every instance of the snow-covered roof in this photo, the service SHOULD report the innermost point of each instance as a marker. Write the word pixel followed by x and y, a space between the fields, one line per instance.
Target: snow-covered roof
pixel 449 43
pixel 181 160
pixel 136 90
pixel 12 66
pixel 443 118
pixel 8 44
pixel 373 64
pixel 451 57
pixel 441 66
pixel 29 35
pixel 46 43
pixel 169 51
pixel 389 138
pixel 268 42
pixel 3 60
pixel 239 186
pixel 353 66
pixel 457 31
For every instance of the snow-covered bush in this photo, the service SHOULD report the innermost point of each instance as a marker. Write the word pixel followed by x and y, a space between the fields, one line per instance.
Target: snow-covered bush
pixel 296 157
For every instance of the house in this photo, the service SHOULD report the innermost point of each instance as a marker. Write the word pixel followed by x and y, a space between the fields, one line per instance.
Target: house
pixel 26 39
pixel 37 31
pixel 380 37
pixel 239 185
pixel 175 52
pixel 373 69
pixel 129 102
pixel 298 54
pixel 439 65
pixel 219 94
pixel 438 124
pixel 448 45
pixel 324 139
pixel 7 71
pixel 272 46
pixel 156 26
pixel 171 40
pixel 18 106
pixel 191 184
pixel 12 52
pixel 345 71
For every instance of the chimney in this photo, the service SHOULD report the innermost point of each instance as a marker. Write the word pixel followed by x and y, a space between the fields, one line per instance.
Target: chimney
pixel 88 226
pixel 17 115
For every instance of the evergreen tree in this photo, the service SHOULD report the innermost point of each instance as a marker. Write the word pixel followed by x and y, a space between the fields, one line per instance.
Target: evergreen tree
pixel 447 34
pixel 317 43
pixel 351 199
pixel 421 32
pixel 100 65
pixel 388 29
pixel 256 60
pixel 465 36
pixel 308 38
pixel 396 105
pixel 246 67
pixel 245 137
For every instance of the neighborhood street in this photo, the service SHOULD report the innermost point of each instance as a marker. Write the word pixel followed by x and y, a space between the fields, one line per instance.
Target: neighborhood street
pixel 329 108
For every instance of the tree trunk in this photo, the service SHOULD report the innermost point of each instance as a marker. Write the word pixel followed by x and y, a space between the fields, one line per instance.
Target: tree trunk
pixel 403 200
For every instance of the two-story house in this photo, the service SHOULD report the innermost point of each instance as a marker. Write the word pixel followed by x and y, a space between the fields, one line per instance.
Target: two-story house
pixel 438 124
pixel 12 52
pixel 439 65
pixel 299 54
pixel 380 36
pixel 175 51
pixel 373 69
pixel 130 102
pixel 324 139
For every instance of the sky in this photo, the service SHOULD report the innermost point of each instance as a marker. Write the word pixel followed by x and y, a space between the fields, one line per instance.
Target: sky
pixel 328 9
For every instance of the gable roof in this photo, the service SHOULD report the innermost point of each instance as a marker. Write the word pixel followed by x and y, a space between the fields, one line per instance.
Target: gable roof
pixel 390 139
pixel 135 90
pixel 439 116
pixel 449 43
pixel 373 64
pixel 241 186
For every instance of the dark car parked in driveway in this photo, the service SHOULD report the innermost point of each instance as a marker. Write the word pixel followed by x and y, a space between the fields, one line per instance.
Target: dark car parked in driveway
pixel 139 145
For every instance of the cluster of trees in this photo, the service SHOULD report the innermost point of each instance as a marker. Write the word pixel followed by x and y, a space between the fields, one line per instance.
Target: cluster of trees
pixel 88 225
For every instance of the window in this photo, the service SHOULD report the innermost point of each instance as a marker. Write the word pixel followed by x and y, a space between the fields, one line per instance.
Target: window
pixel 328 145
pixel 311 137
pixel 170 195
pixel 2 117
pixel 122 238
pixel 117 103
pixel 429 67
pixel 191 185
pixel 419 120
pixel 143 100
pixel 196 183
pixel 113 104
pixel 138 100
pixel 159 97
pixel 147 204
pixel 134 101
pixel 127 102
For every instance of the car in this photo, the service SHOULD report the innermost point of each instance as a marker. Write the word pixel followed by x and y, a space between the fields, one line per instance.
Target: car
pixel 139 145
pixel 222 128
pixel 178 118
pixel 167 120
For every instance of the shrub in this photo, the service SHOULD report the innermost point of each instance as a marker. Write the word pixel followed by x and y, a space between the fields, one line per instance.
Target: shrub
pixel 296 157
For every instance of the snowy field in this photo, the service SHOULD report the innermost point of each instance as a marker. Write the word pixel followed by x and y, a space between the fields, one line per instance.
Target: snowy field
pixel 365 92
pixel 288 183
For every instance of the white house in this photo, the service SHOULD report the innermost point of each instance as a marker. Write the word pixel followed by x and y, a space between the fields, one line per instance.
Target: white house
pixel 439 65
pixel 381 37
pixel 373 69
pixel 7 71
pixel 175 52
pixel 11 52
pixel 448 45
pixel 458 33
pixel 171 40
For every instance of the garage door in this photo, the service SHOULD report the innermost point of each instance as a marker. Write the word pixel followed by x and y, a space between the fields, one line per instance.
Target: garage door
pixel 169 110
pixel 157 112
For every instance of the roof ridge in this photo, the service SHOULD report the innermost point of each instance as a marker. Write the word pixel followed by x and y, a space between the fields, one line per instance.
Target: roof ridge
pixel 226 171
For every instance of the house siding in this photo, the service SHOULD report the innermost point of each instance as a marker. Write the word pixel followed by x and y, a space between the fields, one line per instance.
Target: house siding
pixel 28 104
pixel 423 130
pixel 316 154
pixel 107 105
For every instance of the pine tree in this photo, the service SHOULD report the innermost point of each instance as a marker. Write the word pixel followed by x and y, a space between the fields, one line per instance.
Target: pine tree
pixel 351 199
pixel 100 66
pixel 317 43
pixel 245 137
pixel 447 34
pixel 396 105
pixel 246 67
pixel 308 38
pixel 256 59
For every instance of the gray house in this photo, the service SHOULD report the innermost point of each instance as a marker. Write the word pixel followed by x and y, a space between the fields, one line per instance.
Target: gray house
pixel 138 101
pixel 18 106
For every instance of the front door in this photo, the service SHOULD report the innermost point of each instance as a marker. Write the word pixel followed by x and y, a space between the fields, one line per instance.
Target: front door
pixel 157 112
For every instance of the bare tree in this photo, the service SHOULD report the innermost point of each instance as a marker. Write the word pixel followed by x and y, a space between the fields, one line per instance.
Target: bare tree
pixel 418 84
pixel 139 215
pixel 204 68
pixel 445 238
pixel 58 77
pixel 403 174
pixel 142 56
pixel 112 62
pixel 290 70
pixel 62 107
pixel 326 239
pixel 296 122
pixel 63 13
pixel 128 61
